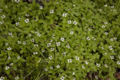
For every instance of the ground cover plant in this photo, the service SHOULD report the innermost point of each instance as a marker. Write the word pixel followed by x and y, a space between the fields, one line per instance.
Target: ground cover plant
pixel 60 40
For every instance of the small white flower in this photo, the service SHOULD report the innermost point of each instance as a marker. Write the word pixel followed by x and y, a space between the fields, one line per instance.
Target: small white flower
pixel 112 39
pixel 3 16
pixel 74 5
pixel 62 78
pixel 17 1
pixel 69 21
pixel 35 53
pixel 51 11
pixel 62 39
pixel 9 57
pixel 50 57
pixel 77 58
pixel 18 57
pixel 17 78
pixel 19 42
pixel 49 44
pixel 52 49
pixel 58 43
pixel 35 45
pixel 38 34
pixel 103 26
pixel 64 53
pixel 27 15
pixel 64 14
pixel 110 47
pixel 105 22
pixel 2 78
pixel 17 23
pixel 41 7
pixel 105 5
pixel 106 33
pixel 86 62
pixel 26 20
pixel 73 73
pixel 118 62
pixel 1 22
pixel 102 48
pixel 112 6
pixel 88 38
pixel 106 65
pixel 7 67
pixel 68 46
pixel 111 57
pixel 24 42
pixel 71 32
pixel 74 78
pixel 9 48
pixel 11 64
pixel 33 40
pixel 105 53
pixel 115 38
pixel 69 60
pixel 75 22
pixel 43 51
pixel 83 67
pixel 51 67
pixel 46 69
pixel 10 34
pixel 98 65
pixel 58 66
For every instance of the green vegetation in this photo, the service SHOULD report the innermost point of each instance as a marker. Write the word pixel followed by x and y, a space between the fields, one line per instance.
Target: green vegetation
pixel 62 40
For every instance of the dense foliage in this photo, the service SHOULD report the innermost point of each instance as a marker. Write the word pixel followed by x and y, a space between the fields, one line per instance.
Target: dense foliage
pixel 62 40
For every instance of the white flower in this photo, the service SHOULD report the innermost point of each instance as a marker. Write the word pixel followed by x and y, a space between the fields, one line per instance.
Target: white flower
pixel 2 78
pixel 19 42
pixel 112 6
pixel 46 69
pixel 98 65
pixel 110 47
pixel 52 49
pixel 64 53
pixel 26 20
pixel 18 57
pixel 105 53
pixel 69 60
pixel 58 43
pixel 86 62
pixel 51 11
pixel 106 65
pixel 62 78
pixel 10 34
pixel 105 22
pixel 68 46
pixel 50 57
pixel 27 15
pixel 17 1
pixel 3 16
pixel 38 34
pixel 112 39
pixel 35 53
pixel 35 45
pixel 7 67
pixel 112 57
pixel 62 39
pixel 1 22
pixel 11 64
pixel 105 5
pixel 43 51
pixel 118 62
pixel 71 32
pixel 17 78
pixel 74 78
pixel 41 7
pixel 58 66
pixel 24 42
pixel 106 33
pixel 33 40
pixel 77 58
pixel 73 73
pixel 83 67
pixel 103 26
pixel 75 22
pixel 69 21
pixel 9 48
pixel 88 38
pixel 64 14
pixel 51 67
pixel 17 23
pixel 49 44
pixel 102 48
